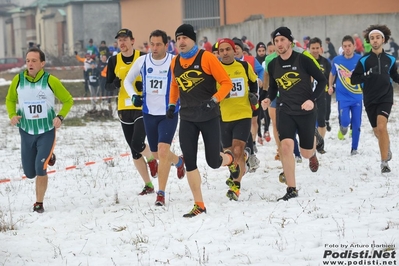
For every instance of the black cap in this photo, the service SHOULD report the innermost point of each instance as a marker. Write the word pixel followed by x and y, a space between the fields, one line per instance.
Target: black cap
pixel 260 45
pixel 124 33
pixel 238 42
pixel 283 31
pixel 186 30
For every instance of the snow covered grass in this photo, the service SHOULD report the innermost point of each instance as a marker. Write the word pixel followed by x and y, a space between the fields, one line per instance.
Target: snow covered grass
pixel 95 217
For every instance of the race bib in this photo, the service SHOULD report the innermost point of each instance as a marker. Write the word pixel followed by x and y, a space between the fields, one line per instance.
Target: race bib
pixel 92 78
pixel 156 85
pixel 35 109
pixel 238 89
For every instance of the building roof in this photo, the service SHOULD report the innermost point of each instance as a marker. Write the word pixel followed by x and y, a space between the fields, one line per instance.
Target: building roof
pixel 44 3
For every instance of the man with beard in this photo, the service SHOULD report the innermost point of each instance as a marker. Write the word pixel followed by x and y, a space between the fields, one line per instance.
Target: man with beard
pixel 290 75
pixel 130 116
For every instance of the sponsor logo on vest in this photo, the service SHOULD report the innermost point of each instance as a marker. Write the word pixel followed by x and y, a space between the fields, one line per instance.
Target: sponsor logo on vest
pixel 189 79
pixel 288 80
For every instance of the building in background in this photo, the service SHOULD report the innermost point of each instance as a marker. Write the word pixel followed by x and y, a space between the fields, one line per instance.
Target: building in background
pixel 59 27
pixel 144 16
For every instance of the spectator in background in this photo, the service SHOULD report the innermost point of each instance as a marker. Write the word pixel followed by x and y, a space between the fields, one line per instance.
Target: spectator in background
pixel 114 49
pixel 394 48
pixel 171 46
pixel 306 40
pixel 206 44
pixel 104 50
pixel 103 78
pixel 248 43
pixel 147 48
pixel 331 49
pixel 86 65
pixel 92 50
pixel 93 75
pixel 359 49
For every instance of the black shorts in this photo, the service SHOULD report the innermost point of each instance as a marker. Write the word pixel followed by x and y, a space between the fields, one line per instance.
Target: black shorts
pixel 239 129
pixel 375 110
pixel 129 116
pixel 304 125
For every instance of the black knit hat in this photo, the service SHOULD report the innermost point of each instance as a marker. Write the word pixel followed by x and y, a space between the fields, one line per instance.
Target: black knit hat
pixel 238 42
pixel 283 31
pixel 259 45
pixel 186 30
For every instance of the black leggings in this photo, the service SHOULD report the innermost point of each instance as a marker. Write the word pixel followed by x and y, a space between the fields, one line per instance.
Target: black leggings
pixel 134 131
pixel 188 136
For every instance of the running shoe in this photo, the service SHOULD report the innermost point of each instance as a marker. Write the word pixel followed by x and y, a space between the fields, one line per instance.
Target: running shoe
pixel 313 163
pixel 291 193
pixel 52 160
pixel 146 190
pixel 153 164
pixel 196 210
pixel 181 171
pixel 38 207
pixel 160 199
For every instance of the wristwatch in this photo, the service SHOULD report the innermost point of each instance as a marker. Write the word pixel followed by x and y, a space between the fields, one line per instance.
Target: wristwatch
pixel 60 117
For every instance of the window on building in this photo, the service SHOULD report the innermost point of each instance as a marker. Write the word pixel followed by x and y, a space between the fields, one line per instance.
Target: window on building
pixel 201 14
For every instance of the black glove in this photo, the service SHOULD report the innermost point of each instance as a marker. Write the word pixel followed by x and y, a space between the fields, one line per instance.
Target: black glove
pixel 139 86
pixel 253 100
pixel 208 105
pixel 171 111
pixel 75 52
pixel 117 83
pixel 137 100
pixel 373 70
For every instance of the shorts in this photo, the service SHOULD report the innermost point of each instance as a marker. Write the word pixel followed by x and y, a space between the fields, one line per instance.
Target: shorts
pixel 375 110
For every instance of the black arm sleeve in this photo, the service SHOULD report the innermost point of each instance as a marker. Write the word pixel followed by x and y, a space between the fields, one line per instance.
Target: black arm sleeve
pixel 273 88
pixel 253 86
pixel 311 68
pixel 109 85
pixel 358 76
pixel 394 73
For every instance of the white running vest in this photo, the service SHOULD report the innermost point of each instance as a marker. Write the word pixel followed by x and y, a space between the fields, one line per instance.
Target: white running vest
pixel 36 105
pixel 156 84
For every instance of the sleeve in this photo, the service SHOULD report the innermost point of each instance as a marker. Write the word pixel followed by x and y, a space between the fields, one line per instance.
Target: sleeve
pixel 394 72
pixel 212 66
pixel 62 94
pixel 358 76
pixel 174 93
pixel 80 59
pixel 104 72
pixel 133 73
pixel 252 80
pixel 260 71
pixel 250 45
pixel 273 88
pixel 314 71
pixel 312 58
pixel 109 85
pixel 333 69
pixel 268 59
pixel 12 97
